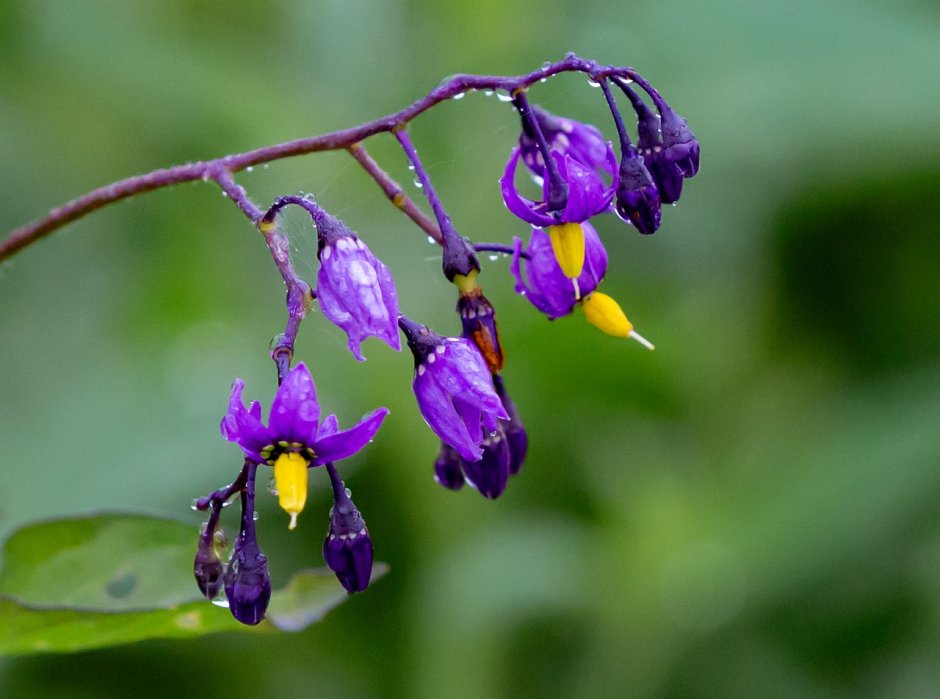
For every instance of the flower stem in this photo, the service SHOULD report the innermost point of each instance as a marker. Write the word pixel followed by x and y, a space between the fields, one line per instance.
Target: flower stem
pixel 626 148
pixel 557 187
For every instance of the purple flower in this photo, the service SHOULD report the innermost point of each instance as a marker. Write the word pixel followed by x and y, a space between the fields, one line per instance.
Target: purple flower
pixel 587 193
pixel 294 438
pixel 541 280
pixel 637 195
pixel 355 289
pixel 514 429
pixel 583 142
pixel 454 389
pixel 208 568
pixel 347 548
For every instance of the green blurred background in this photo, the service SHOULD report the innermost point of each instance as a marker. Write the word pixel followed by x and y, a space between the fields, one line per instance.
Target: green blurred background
pixel 751 510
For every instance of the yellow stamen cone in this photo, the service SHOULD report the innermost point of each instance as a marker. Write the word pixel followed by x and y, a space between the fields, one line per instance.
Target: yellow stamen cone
pixel 290 479
pixel 568 246
pixel 466 284
pixel 605 313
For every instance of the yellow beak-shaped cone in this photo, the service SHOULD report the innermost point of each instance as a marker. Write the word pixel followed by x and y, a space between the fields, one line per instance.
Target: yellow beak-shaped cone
pixel 605 313
pixel 568 246
pixel 290 479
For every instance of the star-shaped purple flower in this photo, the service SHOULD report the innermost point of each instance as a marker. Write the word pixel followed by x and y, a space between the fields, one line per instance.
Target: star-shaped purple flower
pixel 541 280
pixel 588 195
pixel 454 389
pixel 294 424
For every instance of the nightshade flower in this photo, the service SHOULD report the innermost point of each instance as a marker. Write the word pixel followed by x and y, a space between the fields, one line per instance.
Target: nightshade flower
pixel 583 142
pixel 355 289
pixel 588 196
pixel 541 280
pixel 454 389
pixel 490 474
pixel 294 438
pixel 247 581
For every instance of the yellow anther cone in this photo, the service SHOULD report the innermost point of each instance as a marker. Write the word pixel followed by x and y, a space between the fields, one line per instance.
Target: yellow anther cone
pixel 290 479
pixel 467 283
pixel 605 313
pixel 568 246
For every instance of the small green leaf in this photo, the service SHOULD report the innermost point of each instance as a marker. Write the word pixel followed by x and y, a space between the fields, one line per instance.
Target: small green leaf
pixel 103 580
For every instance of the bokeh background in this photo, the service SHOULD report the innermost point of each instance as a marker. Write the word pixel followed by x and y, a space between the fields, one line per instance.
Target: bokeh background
pixel 751 510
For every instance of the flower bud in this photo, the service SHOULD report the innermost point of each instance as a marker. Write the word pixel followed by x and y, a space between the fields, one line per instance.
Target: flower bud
pixel 347 548
pixel 208 569
pixel 679 145
pixel 637 196
pixel 247 581
pixel 447 470
pixel 490 474
pixel 479 326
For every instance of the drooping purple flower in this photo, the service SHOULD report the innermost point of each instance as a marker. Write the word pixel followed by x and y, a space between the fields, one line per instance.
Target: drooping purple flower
pixel 679 145
pixel 347 548
pixel 583 142
pixel 479 326
pixel 447 468
pixel 541 280
pixel 294 419
pixel 454 389
pixel 588 195
pixel 489 475
pixel 637 196
pixel 355 289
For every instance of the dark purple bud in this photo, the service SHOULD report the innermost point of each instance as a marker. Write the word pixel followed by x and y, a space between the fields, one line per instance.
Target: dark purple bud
pixel 347 548
pixel 208 568
pixel 513 428
pixel 650 147
pixel 479 326
pixel 447 470
pixel 679 145
pixel 637 196
pixel 247 582
pixel 458 257
pixel 490 474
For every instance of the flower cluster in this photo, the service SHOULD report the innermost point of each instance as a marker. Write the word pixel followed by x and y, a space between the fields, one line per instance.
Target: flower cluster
pixel 458 379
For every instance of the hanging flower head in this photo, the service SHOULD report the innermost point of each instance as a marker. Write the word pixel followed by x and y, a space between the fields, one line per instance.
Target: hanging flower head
pixel 583 142
pixel 355 289
pixel 294 438
pixel 454 389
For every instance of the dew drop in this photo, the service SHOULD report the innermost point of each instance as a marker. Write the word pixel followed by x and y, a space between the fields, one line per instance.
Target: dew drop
pixel 460 95
pixel 275 341
pixel 431 240
pixel 418 183
pixel 348 492
pixel 503 96
pixel 194 504
pixel 220 600
pixel 493 257
pixel 487 93
pixel 543 80
pixel 219 539
pixel 674 203
pixel 255 516
pixel 250 168
pixel 546 65
pixel 272 486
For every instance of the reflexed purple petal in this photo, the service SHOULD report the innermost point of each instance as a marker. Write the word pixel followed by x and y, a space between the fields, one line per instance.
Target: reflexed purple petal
pixel 521 207
pixel 243 426
pixel 437 408
pixel 583 142
pixel 295 411
pixel 588 195
pixel 471 416
pixel 329 426
pixel 341 445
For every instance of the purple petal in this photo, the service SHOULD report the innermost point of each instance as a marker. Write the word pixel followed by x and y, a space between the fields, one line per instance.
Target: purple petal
pixel 295 411
pixel 587 193
pixel 341 445
pixel 438 410
pixel 329 426
pixel 521 207
pixel 244 426
pixel 461 371
pixel 471 416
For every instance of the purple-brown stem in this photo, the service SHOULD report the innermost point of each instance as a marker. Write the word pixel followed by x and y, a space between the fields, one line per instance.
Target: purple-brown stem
pixel 626 148
pixel 443 220
pixel 557 187
pixel 394 192
pixel 213 169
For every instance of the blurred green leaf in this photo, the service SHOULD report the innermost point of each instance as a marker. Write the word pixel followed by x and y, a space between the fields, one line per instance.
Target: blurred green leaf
pixel 109 579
